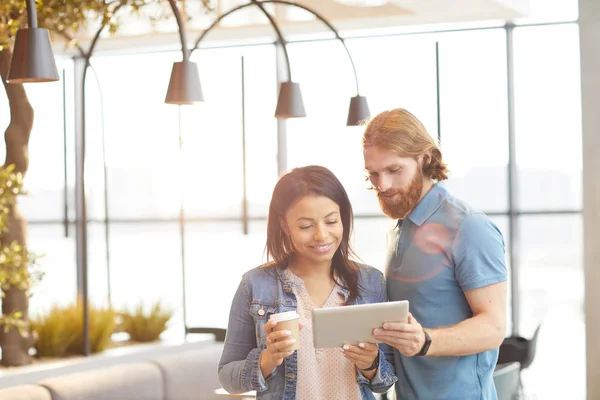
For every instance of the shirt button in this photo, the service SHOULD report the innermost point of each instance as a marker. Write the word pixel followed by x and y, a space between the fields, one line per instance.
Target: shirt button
pixel 261 312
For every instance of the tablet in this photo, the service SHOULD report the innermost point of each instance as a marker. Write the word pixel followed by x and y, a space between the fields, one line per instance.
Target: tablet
pixel 336 326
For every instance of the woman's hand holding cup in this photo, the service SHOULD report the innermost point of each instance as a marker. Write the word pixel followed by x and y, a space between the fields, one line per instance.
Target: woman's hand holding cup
pixel 281 341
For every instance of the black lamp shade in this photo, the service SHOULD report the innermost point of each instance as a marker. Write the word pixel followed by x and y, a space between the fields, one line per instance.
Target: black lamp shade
pixel 184 86
pixel 290 103
pixel 32 60
pixel 359 111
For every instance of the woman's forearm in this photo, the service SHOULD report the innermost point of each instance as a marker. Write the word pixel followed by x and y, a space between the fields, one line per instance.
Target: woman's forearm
pixel 266 367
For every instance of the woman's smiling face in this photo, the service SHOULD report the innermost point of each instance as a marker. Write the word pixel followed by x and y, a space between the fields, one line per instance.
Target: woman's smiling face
pixel 315 228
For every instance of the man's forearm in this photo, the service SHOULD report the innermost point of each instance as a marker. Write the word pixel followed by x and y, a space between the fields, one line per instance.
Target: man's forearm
pixel 471 336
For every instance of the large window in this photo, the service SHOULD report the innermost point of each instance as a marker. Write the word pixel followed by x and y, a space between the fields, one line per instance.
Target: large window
pixel 474 116
pixel 212 139
pixel 213 133
pixel 260 91
pixel 145 265
pixel 59 285
pixel 548 117
pixel 217 255
pixel 147 176
pixel 551 294
pixel 140 131
pixel 548 156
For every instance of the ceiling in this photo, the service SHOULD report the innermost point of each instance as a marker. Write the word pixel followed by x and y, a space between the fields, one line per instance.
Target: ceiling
pixel 353 14
pixel 345 15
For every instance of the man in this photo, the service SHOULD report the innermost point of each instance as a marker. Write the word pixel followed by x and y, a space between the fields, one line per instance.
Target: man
pixel 445 258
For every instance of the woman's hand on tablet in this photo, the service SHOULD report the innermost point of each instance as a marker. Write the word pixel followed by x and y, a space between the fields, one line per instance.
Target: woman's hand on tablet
pixel 362 355
pixel 273 355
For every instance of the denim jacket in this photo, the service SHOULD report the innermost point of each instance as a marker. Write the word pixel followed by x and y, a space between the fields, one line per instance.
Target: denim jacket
pixel 264 291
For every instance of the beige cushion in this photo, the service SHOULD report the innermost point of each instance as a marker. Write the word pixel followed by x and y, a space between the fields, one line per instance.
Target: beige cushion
pixel 192 375
pixel 25 392
pixel 139 381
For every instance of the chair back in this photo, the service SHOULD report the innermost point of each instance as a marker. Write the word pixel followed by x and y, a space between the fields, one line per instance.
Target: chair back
pixel 506 380
pixel 518 349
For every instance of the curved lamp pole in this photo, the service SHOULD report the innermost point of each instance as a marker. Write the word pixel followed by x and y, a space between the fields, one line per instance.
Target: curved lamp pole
pixel 289 95
pixel 80 198
pixel 184 88
pixel 33 59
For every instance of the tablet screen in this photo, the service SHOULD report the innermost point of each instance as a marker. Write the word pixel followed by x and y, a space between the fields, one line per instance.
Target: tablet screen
pixel 336 326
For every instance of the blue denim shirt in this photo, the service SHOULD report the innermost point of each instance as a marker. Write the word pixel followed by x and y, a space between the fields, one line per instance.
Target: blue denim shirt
pixel 264 291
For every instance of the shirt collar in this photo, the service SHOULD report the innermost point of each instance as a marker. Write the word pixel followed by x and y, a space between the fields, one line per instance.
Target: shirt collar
pixel 429 204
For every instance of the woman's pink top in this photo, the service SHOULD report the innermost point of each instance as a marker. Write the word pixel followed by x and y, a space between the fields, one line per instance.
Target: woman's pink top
pixel 322 373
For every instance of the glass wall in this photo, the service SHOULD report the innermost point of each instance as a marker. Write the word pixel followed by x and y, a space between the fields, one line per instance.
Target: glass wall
pixel 139 180
pixel 549 189
pixel 150 180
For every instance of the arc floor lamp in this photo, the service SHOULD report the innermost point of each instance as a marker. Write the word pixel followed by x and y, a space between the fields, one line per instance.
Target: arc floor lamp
pixel 184 86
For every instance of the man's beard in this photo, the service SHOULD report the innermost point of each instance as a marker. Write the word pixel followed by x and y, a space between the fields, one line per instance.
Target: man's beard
pixel 400 206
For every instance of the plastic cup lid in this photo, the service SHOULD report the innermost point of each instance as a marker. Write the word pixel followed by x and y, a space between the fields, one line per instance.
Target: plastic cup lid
pixel 284 316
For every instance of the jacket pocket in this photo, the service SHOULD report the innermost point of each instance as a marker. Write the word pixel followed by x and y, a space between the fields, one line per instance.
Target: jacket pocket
pixel 260 313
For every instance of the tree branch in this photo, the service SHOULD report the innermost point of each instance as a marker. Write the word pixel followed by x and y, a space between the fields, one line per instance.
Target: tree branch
pixel 21 118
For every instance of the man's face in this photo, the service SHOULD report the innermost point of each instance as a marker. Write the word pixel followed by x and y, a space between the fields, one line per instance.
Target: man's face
pixel 397 180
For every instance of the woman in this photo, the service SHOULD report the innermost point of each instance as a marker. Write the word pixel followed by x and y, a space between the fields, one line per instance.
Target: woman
pixel 308 233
